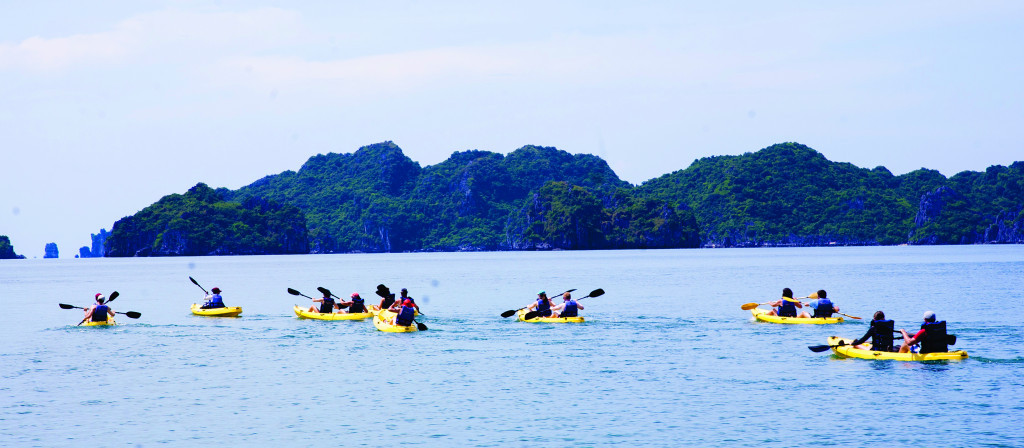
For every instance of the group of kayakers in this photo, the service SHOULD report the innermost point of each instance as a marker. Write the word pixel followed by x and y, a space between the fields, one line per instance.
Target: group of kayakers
pixel 545 307
pixel 787 305
pixel 932 337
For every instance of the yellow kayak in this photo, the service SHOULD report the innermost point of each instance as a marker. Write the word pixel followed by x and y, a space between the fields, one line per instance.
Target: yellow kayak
pixel 304 313
pixel 847 351
pixel 554 320
pixel 105 323
pixel 231 311
pixel 761 315
pixel 381 321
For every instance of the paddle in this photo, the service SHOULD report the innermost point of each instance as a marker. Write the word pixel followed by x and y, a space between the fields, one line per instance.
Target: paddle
pixel 509 313
pixel 595 293
pixel 131 314
pixel 200 286
pixel 296 293
pixel 821 348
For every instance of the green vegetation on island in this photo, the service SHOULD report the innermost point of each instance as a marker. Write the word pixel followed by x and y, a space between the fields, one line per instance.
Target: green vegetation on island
pixel 539 198
pixel 7 250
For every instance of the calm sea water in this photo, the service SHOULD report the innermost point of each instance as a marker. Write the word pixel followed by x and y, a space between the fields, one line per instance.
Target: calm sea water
pixel 666 358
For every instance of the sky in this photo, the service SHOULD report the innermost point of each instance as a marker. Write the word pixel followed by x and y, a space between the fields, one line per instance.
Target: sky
pixel 105 107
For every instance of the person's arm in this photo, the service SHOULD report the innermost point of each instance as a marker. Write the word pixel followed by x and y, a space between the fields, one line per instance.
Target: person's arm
pixel 776 303
pixel 579 306
pixel 912 340
pixel 859 341
pixel 531 306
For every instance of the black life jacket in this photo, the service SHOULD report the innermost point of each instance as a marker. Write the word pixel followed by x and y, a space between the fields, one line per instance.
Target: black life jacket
pixel 405 316
pixel 388 301
pixel 787 308
pixel 881 336
pixel 543 308
pixel 824 308
pixel 934 337
pixel 99 314
pixel 327 306
pixel 357 306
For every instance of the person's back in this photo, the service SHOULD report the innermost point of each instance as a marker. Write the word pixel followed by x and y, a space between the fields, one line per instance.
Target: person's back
pixel 100 313
pixel 327 305
pixel 881 339
pixel 405 314
pixel 214 300
pixel 357 305
pixel 823 307
pixel 935 337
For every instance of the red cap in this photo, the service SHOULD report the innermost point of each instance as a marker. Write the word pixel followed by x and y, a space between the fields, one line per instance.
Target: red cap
pixel 97 295
pixel 355 295
pixel 407 302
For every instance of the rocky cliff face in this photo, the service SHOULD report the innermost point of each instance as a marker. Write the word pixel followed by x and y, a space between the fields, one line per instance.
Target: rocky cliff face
pixel 50 251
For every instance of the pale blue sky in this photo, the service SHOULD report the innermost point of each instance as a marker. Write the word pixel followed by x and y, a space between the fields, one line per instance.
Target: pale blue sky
pixel 104 108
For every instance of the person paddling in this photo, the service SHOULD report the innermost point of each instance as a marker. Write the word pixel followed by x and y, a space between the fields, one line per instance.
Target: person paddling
pixel 783 307
pixel 405 314
pixel 931 336
pixel 99 312
pixel 387 299
pixel 880 331
pixel 326 304
pixel 213 300
pixel 822 306
pixel 355 304
pixel 403 299
pixel 542 305
pixel 568 307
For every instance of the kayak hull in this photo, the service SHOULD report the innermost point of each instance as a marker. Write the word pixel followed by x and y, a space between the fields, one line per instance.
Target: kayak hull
pixel 231 311
pixel 520 316
pixel 382 322
pixel 848 351
pixel 106 323
pixel 303 313
pixel 761 315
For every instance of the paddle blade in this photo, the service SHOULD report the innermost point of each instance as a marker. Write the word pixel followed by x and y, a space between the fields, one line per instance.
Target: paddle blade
pixel 67 307
pixel 421 327
pixel 324 291
pixel 749 306
pixel 133 314
pixel 508 313
pixel 193 280
pixel 294 292
pixel 596 293
pixel 531 315
pixel 113 296
pixel 819 348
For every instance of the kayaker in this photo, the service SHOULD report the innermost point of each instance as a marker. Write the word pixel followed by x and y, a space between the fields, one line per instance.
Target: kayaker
pixel 783 307
pixel 387 299
pixel 822 306
pixel 402 299
pixel 99 312
pixel 542 305
pixel 354 305
pixel 931 336
pixel 880 331
pixel 213 300
pixel 568 307
pixel 326 304
pixel 405 314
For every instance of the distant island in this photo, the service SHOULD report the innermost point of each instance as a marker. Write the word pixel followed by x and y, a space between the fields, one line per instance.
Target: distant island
pixel 7 250
pixel 541 198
